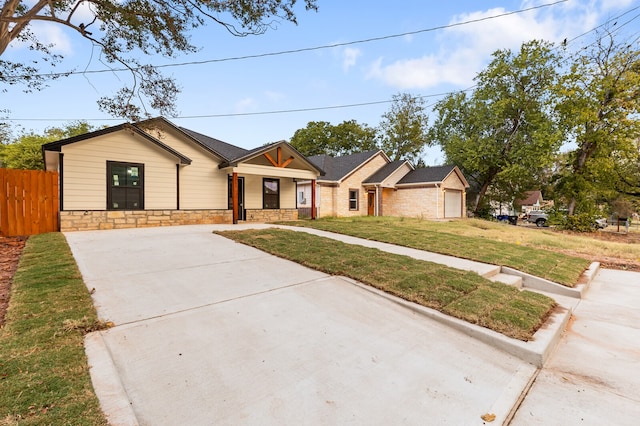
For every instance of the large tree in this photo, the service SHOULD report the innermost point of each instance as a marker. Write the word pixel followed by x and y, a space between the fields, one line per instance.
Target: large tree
pixel 124 29
pixel 599 105
pixel 25 152
pixel 503 135
pixel 404 128
pixel 321 137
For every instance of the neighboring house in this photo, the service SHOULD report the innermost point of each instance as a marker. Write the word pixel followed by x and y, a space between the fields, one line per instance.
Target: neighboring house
pixel 369 184
pixel 532 200
pixel 154 173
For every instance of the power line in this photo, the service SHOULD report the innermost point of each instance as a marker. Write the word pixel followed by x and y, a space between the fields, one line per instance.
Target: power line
pixel 304 49
pixel 246 114
pixel 353 105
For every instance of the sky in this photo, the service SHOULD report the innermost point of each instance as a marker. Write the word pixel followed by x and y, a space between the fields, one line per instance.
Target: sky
pixel 424 48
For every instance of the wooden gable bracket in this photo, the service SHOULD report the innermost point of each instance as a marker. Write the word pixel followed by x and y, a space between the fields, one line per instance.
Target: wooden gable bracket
pixel 278 163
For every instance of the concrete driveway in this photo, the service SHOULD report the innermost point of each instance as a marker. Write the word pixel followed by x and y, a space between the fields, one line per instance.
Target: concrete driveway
pixel 213 332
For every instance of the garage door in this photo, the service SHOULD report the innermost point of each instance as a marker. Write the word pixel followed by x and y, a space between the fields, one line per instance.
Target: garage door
pixel 452 203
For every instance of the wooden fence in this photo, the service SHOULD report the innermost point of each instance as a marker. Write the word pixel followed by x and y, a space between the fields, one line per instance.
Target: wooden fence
pixel 28 202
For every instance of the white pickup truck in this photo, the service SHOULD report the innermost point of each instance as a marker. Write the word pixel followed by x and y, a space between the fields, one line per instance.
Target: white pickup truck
pixel 538 217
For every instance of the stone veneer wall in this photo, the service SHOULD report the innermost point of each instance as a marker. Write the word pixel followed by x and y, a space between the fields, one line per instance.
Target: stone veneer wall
pixel 269 215
pixel 90 220
pixel 81 220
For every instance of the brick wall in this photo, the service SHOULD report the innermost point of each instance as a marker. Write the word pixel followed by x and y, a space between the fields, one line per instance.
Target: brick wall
pixel 414 202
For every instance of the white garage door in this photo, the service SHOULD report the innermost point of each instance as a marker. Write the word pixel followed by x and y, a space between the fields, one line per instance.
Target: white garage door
pixel 452 203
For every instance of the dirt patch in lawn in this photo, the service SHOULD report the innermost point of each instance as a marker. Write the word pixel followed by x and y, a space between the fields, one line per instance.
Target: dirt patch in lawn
pixel 610 262
pixel 10 251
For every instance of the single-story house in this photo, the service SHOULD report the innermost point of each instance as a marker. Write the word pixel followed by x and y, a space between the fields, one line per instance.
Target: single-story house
pixel 369 183
pixel 154 173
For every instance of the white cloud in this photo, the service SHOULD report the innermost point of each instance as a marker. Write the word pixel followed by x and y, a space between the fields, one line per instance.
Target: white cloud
pixel 462 51
pixel 245 105
pixel 349 57
pixel 49 34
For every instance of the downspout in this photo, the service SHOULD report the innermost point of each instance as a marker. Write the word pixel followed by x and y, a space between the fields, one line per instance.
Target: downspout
pixel 177 186
pixel 377 209
pixel 437 202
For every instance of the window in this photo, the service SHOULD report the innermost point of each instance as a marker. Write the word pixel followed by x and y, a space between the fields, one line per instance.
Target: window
pixel 301 199
pixel 353 199
pixel 270 193
pixel 125 186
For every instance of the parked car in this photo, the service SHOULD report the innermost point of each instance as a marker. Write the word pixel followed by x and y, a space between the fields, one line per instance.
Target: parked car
pixel 601 223
pixel 538 217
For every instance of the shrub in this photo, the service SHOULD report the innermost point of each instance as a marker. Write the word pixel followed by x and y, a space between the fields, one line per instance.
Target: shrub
pixel 581 222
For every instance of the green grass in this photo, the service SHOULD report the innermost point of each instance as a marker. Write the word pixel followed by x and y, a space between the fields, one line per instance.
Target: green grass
pixel 461 294
pixel 44 376
pixel 462 239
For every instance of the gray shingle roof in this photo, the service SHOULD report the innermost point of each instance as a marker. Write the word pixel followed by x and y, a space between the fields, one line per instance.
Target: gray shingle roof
pixel 384 172
pixel 224 149
pixel 336 168
pixel 427 175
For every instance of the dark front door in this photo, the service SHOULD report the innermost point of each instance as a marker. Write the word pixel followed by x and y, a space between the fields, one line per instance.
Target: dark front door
pixel 371 203
pixel 241 211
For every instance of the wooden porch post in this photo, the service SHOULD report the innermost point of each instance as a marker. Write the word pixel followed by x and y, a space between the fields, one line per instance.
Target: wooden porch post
pixel 313 199
pixel 234 196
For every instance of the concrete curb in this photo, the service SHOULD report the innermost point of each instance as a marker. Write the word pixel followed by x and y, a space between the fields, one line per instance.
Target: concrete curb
pixel 113 398
pixel 507 404
pixel 535 352
pixel 537 283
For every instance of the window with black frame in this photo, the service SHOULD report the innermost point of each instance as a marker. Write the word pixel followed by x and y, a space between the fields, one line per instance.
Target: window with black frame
pixel 125 186
pixel 270 193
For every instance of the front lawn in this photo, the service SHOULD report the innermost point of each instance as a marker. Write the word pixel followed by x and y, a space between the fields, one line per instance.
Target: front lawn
pixel 455 239
pixel 44 376
pixel 461 294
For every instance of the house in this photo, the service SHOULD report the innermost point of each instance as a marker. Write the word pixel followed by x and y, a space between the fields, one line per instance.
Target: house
pixel 154 173
pixel 370 184
pixel 532 200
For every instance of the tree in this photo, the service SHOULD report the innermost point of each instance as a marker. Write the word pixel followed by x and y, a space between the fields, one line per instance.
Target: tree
pixel 404 128
pixel 26 151
pixel 321 137
pixel 599 106
pixel 122 29
pixel 503 136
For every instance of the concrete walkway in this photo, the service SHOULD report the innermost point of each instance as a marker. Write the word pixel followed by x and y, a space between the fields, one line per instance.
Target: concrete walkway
pixel 593 378
pixel 209 331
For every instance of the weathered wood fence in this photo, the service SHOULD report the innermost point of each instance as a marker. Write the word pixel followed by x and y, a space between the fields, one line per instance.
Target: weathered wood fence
pixel 28 202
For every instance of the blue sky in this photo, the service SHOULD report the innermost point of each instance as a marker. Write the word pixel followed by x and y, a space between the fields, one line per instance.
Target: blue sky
pixel 423 64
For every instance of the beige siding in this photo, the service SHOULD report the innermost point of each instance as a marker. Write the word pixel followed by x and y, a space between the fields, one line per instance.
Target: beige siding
pixel 253 192
pixel 202 184
pixel 85 171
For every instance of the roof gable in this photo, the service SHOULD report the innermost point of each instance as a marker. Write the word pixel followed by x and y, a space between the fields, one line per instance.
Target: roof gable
pixel 530 198
pixel 338 168
pixel 385 171
pixel 57 146
pixel 272 155
pixel 431 175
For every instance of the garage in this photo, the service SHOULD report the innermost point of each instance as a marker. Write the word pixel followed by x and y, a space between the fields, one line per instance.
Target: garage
pixel 452 203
